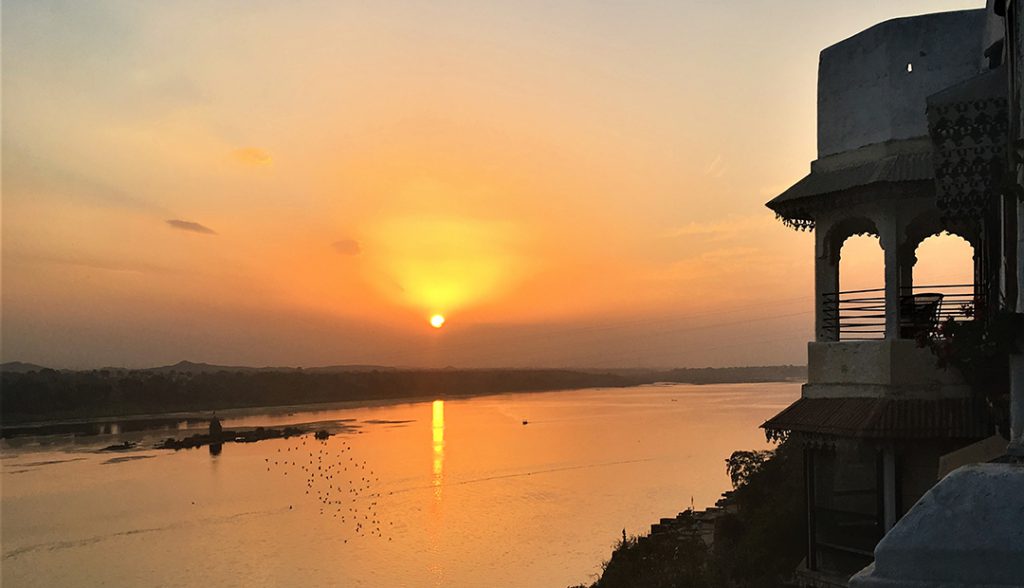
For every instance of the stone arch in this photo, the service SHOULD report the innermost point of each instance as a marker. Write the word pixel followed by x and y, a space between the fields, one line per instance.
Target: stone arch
pixel 840 231
pixel 931 224
pixel 971 274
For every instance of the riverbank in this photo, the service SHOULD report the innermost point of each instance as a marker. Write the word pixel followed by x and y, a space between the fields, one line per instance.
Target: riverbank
pixel 51 398
pixel 196 418
pixel 755 536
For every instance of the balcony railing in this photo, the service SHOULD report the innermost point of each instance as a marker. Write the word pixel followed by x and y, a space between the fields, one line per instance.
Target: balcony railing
pixel 860 314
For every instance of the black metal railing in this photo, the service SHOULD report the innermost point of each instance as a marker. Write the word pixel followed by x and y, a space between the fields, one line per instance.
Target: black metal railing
pixel 854 314
pixel 860 314
pixel 959 301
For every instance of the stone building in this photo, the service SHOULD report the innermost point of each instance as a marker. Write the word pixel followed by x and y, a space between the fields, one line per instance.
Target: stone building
pixel 914 116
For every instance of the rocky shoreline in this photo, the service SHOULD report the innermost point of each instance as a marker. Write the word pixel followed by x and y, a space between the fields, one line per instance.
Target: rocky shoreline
pixel 754 536
pixel 228 436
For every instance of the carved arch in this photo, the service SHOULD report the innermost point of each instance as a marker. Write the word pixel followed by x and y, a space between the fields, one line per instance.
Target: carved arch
pixel 840 231
pixel 931 224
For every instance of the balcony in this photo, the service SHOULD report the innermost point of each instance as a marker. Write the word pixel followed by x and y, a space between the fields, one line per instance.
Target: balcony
pixel 854 358
pixel 859 315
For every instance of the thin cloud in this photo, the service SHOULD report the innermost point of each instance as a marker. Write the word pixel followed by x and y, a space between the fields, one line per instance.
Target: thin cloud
pixel 716 168
pixel 120 266
pixel 185 225
pixel 347 247
pixel 253 156
pixel 719 229
pixel 27 175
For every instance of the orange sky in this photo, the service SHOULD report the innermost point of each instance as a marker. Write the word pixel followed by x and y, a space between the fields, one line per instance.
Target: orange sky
pixel 573 183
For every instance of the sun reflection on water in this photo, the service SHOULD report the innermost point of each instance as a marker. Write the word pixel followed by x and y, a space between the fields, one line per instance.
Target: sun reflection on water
pixel 437 428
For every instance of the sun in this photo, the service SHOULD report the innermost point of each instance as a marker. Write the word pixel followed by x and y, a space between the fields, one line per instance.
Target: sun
pixel 437 321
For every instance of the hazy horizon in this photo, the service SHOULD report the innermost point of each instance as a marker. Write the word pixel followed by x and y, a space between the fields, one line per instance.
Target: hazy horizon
pixel 571 185
pixel 397 367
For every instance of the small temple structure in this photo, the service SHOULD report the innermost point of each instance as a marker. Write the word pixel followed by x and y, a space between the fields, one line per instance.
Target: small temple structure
pixel 918 134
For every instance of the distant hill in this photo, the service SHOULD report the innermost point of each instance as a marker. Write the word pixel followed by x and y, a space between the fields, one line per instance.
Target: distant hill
pixel 705 375
pixel 191 367
pixel 20 367
pixel 329 369
pixel 50 395
pixel 710 375
pixel 750 374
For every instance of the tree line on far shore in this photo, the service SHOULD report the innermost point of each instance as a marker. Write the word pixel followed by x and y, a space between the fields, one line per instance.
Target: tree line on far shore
pixel 47 394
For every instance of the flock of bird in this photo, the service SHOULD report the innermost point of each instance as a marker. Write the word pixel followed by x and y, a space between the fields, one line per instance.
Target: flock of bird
pixel 343 485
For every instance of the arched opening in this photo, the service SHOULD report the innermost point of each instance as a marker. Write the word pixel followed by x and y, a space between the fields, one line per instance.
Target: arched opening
pixel 860 305
pixel 944 269
pixel 861 264
pixel 945 258
pixel 848 272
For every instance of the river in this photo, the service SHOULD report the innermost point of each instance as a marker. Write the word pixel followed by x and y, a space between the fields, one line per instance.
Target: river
pixel 512 490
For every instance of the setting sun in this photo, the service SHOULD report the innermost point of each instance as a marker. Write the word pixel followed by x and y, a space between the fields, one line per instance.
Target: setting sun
pixel 437 321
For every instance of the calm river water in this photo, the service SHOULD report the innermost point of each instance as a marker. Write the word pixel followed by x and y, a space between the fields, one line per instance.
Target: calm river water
pixel 446 493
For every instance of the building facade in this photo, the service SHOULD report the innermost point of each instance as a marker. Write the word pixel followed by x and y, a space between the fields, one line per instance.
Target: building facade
pixel 918 134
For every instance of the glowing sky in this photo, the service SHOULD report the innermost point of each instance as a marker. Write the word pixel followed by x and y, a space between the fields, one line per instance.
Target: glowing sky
pixel 307 183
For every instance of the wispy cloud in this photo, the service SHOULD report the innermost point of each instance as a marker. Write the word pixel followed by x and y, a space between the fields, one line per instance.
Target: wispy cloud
pixel 720 229
pixel 31 176
pixel 185 225
pixel 252 156
pixel 131 266
pixel 347 247
pixel 716 168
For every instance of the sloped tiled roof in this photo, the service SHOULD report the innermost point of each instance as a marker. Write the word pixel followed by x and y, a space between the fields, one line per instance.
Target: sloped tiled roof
pixel 799 202
pixel 884 418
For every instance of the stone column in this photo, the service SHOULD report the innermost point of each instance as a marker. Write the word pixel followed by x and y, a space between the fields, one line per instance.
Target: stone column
pixel 890 240
pixel 826 281
pixel 907 272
